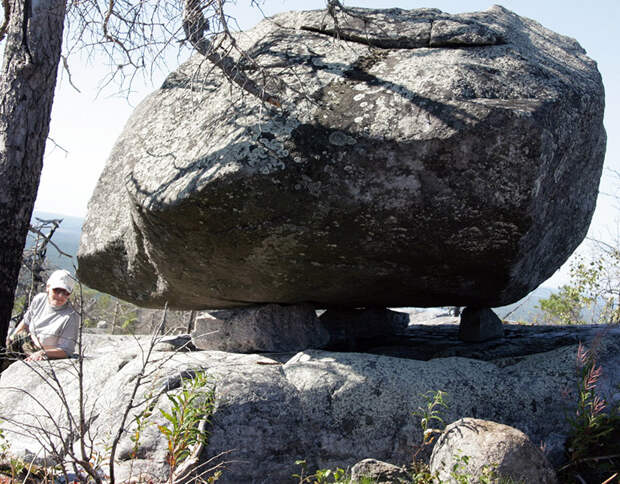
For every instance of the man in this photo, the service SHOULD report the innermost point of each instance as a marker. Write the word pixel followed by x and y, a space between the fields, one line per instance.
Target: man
pixel 49 328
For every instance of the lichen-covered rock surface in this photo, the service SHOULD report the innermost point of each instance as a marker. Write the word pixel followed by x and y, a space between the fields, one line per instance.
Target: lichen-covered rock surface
pixel 419 159
pixel 514 456
pixel 331 408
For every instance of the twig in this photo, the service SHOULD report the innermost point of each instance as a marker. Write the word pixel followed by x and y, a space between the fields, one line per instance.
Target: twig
pixel 65 64
pixel 57 145
pixel 587 459
pixel 138 382
pixel 197 478
pixel 581 480
pixel 516 308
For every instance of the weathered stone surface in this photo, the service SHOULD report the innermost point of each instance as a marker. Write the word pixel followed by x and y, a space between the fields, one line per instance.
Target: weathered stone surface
pixel 379 472
pixel 480 324
pixel 332 409
pixel 426 342
pixel 508 452
pixel 425 160
pixel 269 327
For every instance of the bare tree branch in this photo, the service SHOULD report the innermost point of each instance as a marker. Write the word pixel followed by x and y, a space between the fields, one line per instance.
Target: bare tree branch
pixel 48 237
pixel 112 38
pixel 195 25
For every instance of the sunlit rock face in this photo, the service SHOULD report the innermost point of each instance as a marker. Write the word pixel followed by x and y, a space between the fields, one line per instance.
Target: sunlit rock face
pixel 419 159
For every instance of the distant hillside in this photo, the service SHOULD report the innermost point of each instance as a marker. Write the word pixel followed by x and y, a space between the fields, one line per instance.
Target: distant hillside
pixel 66 237
pixel 525 309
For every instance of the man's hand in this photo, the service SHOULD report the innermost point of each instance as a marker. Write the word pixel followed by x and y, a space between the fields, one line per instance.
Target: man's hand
pixel 37 356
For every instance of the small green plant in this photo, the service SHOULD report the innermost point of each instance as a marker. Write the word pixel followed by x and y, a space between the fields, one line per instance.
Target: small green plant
pixel 129 324
pixel 191 405
pixel 15 467
pixel 322 476
pixel 488 474
pixel 142 420
pixel 431 413
pixel 421 473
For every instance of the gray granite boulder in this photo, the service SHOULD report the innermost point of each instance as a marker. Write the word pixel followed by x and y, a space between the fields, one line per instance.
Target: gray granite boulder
pixel 474 447
pixel 332 409
pixel 424 159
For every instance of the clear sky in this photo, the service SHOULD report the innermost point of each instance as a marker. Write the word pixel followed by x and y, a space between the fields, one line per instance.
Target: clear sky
pixel 86 124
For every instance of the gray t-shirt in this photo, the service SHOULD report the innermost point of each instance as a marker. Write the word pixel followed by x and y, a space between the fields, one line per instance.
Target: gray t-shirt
pixel 51 326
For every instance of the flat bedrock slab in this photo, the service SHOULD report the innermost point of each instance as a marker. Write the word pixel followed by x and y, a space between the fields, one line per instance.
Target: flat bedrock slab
pixel 332 409
pixel 425 159
pixel 426 342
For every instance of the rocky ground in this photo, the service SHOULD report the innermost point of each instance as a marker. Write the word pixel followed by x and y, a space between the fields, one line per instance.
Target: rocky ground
pixel 330 408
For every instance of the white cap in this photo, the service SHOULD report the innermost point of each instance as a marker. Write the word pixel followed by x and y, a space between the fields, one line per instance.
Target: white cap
pixel 61 279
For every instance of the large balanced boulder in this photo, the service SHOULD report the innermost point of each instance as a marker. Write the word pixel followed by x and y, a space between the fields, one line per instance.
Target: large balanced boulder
pixel 418 159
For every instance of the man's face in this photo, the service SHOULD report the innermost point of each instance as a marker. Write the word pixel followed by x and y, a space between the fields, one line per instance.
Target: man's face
pixel 57 297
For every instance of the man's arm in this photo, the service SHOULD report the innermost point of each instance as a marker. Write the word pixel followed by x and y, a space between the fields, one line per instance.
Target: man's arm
pixel 48 353
pixel 22 327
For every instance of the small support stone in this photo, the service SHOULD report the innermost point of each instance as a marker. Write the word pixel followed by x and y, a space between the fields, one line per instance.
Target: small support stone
pixel 260 328
pixel 479 324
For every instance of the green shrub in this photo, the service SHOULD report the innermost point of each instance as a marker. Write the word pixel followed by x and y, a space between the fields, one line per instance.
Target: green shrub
pixel 191 405
pixel 593 293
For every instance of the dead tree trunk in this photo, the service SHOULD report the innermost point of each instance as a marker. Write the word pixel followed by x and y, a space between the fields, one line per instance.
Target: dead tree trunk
pixel 31 55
